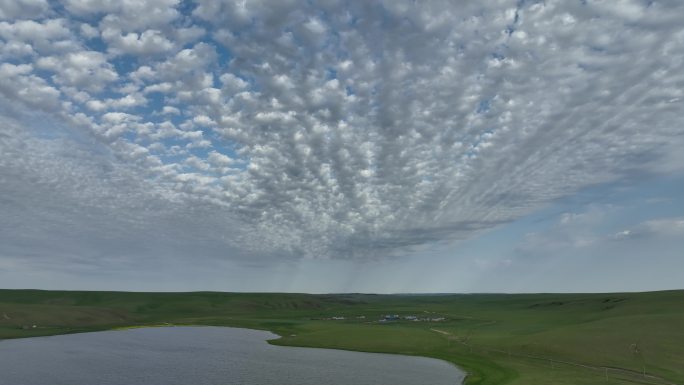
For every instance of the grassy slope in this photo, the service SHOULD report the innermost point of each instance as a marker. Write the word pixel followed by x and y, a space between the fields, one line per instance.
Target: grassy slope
pixel 498 339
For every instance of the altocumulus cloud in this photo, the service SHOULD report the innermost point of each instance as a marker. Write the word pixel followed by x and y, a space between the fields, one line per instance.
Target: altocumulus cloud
pixel 328 129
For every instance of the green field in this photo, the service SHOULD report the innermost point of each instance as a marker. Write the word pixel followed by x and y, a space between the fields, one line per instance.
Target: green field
pixel 526 339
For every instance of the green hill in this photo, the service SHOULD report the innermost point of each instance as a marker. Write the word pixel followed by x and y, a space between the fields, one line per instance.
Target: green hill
pixel 528 339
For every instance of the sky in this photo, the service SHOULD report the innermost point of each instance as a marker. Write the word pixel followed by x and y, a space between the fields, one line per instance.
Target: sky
pixel 342 146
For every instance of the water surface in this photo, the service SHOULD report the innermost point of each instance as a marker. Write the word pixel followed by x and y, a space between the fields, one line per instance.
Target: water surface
pixel 204 356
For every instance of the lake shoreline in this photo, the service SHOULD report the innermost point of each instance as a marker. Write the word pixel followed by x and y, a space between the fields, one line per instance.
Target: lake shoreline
pixel 269 337
pixel 271 341
pixel 494 338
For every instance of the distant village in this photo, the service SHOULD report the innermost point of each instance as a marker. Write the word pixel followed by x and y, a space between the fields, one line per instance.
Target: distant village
pixel 389 318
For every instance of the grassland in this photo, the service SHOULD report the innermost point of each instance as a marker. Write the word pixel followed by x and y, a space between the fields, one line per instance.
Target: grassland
pixel 525 339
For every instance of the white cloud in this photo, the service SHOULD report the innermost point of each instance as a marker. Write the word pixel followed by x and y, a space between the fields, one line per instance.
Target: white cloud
pixel 21 9
pixel 203 120
pixel 88 31
pixel 149 42
pixel 43 37
pixel 88 70
pixel 355 129
pixel 220 160
pixel 66 200
pixel 571 232
pixel 232 83
pixel 126 15
pixel 662 227
pixel 20 84
pixel 129 101
pixel 169 110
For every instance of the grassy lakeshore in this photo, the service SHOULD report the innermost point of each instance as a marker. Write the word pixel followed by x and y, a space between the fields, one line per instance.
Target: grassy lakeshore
pixel 523 339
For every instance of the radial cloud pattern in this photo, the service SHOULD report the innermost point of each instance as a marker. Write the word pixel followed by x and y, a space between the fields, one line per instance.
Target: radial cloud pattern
pixel 326 129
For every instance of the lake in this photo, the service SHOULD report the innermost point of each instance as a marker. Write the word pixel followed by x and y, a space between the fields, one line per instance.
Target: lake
pixel 204 356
